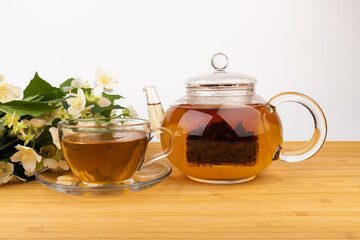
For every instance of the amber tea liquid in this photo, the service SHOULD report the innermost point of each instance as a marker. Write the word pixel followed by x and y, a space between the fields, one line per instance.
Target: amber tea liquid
pixel 223 143
pixel 101 158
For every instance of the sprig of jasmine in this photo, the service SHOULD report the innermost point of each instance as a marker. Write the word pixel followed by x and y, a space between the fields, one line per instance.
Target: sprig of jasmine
pixel 29 138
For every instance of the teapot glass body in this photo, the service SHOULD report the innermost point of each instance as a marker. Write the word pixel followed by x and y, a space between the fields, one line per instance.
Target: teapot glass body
pixel 216 141
pixel 224 132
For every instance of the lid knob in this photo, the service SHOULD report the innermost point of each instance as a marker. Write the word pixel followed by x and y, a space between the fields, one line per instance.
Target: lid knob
pixel 219 61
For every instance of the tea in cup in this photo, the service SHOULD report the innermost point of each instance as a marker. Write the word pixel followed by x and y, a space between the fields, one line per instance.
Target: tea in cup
pixel 108 151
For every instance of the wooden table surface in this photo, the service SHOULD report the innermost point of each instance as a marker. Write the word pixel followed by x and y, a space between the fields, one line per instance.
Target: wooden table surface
pixel 316 199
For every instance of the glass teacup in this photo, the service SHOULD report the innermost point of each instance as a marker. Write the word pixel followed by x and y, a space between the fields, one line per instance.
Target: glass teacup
pixel 110 150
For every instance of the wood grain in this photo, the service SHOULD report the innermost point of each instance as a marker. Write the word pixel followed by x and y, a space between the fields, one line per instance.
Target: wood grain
pixel 315 199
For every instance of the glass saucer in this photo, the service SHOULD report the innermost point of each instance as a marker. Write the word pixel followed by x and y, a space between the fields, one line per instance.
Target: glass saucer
pixel 145 178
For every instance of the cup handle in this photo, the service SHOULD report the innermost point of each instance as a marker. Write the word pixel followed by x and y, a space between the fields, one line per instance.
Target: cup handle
pixel 167 151
pixel 318 138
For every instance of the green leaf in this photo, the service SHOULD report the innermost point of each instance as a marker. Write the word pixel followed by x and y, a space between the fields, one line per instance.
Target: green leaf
pixel 105 110
pixel 112 97
pixel 55 122
pixel 5 159
pixel 67 83
pixel 4 146
pixel 33 98
pixel 106 113
pixel 85 90
pixel 39 87
pixel 62 100
pixel 45 138
pixel 8 147
pixel 27 108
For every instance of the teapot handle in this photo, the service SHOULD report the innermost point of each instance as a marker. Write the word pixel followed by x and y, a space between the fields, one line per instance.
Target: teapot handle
pixel 318 138
pixel 167 151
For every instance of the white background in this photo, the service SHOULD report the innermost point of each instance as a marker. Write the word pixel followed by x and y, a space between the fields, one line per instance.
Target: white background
pixel 312 47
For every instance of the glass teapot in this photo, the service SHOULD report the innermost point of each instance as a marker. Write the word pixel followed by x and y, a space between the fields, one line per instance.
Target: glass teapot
pixel 224 132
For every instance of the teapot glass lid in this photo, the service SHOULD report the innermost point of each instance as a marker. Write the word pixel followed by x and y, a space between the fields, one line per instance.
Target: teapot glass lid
pixel 220 77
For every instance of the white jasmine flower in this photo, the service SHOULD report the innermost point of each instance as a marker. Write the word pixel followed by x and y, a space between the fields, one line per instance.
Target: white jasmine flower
pixel 96 96
pixel 49 117
pixel 68 88
pixel 65 180
pixel 8 92
pixel 55 136
pixel 6 172
pixel 86 113
pixel 79 83
pixel 28 158
pixel 37 123
pixel 105 79
pixel 132 111
pixel 103 102
pixel 35 131
pixel 86 123
pixel 56 165
pixel 97 115
pixel 16 179
pixel 25 121
pixel 97 91
pixel 77 102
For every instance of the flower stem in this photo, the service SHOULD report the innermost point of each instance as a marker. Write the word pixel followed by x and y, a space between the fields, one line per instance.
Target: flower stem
pixel 8 144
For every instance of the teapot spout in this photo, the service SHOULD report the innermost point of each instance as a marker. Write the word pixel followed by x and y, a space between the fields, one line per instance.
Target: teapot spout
pixel 155 109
